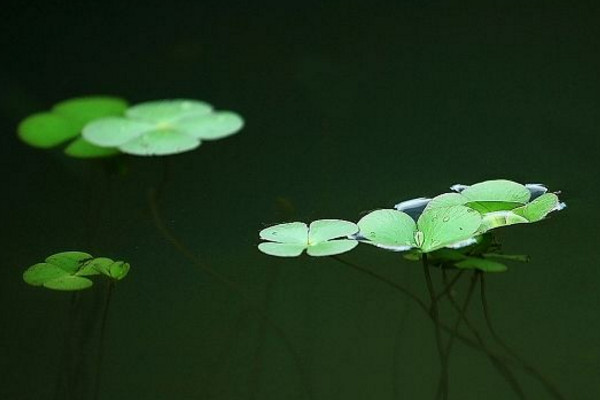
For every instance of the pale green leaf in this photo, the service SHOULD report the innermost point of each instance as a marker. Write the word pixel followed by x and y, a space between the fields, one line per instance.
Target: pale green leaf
pixel 216 125
pixel 325 229
pixel 167 111
pixel 447 225
pixel 498 219
pixel 114 131
pixel 292 232
pixel 160 143
pixel 282 249
pixel 331 247
pixel 389 229
pixel 498 193
pixel 538 208
pixel 446 200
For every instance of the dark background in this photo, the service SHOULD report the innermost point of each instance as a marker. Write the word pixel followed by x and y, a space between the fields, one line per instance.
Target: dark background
pixel 349 106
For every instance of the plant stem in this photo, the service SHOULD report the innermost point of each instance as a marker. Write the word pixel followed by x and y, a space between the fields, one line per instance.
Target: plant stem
pixel 498 361
pixel 170 237
pixel 460 318
pixel 462 313
pixel 100 358
pixel 434 312
pixel 448 286
pixel 550 388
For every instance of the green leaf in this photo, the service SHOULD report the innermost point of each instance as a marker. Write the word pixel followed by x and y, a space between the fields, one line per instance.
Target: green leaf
pixel 40 273
pixel 446 200
pixel 160 143
pixel 168 111
pixel 290 239
pixel 481 264
pixel 389 229
pixel 326 229
pixel 498 219
pixel 100 264
pixel 282 249
pixel 292 232
pixel 510 257
pixel 69 261
pixel 46 130
pixel 539 208
pixel 444 226
pixel 82 110
pixel 495 195
pixel 81 148
pixel 119 270
pixel 331 247
pixel 212 126
pixel 485 207
pixel 68 283
pixel 114 131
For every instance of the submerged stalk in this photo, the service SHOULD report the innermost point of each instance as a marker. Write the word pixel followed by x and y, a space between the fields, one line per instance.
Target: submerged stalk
pixel 170 237
pixel 442 391
pixel 109 291
pixel 550 388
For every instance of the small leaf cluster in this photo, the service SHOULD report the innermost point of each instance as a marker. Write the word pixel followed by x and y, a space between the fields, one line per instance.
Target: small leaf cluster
pixel 453 228
pixel 71 270
pixel 102 126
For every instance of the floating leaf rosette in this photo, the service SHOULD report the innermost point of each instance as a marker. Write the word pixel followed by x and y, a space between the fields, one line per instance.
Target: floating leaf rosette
pixel 324 237
pixel 501 202
pixel 163 127
pixel 71 270
pixel 65 121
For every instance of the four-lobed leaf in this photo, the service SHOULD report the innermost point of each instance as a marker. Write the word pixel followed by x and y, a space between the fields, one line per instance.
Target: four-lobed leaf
pixel 163 127
pixel 323 237
pixel 70 270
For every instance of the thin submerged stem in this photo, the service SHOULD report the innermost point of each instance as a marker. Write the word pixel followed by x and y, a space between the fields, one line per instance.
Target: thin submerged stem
pixel 434 312
pixel 550 388
pixel 109 291
pixel 498 361
pixel 460 318
pixel 448 285
pixel 170 237
pixel 462 313
pixel 499 364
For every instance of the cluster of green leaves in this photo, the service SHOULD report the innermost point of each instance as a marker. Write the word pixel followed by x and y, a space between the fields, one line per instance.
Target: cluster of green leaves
pixel 106 126
pixel 70 270
pixel 64 123
pixel 452 226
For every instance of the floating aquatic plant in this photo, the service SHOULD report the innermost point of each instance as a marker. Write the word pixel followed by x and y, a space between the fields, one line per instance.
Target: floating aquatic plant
pixel 453 232
pixel 65 121
pixel 70 270
pixel 163 127
pixel 321 238
pixel 447 222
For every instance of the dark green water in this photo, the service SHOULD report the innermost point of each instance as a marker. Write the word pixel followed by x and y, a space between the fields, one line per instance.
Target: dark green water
pixel 349 107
